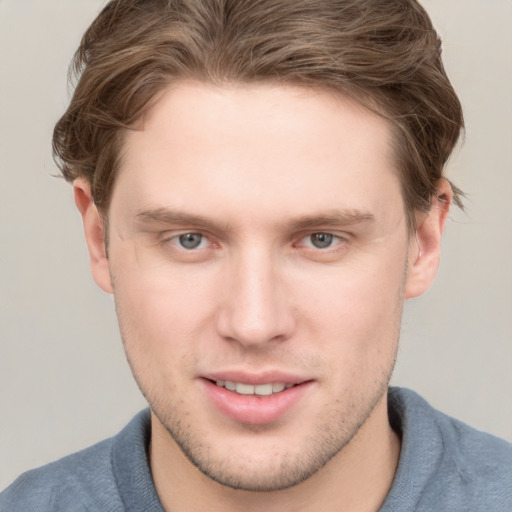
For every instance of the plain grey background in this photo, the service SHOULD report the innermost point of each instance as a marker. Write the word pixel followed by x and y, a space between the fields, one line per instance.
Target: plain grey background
pixel 64 382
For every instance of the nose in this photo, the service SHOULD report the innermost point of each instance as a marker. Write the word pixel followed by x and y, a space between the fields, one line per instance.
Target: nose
pixel 256 307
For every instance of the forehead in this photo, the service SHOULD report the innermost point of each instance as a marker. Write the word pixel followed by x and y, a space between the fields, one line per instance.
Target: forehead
pixel 266 149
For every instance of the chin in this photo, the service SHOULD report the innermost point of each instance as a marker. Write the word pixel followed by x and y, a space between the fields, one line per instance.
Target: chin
pixel 258 461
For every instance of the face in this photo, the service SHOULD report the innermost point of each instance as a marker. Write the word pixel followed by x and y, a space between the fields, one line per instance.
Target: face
pixel 258 254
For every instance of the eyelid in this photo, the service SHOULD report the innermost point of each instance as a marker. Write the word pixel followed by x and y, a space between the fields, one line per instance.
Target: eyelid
pixel 341 237
pixel 169 237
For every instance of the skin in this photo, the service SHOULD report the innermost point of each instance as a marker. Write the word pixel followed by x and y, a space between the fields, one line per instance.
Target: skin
pixel 257 171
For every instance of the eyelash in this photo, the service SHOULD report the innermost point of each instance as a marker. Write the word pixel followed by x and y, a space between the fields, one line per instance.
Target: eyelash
pixel 175 240
pixel 337 242
pixel 334 239
pixel 179 238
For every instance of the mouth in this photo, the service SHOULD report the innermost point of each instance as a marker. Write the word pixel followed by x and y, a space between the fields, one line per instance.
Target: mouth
pixel 255 400
pixel 242 388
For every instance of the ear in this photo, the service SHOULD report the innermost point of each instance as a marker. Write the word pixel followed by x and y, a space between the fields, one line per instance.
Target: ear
pixel 94 229
pixel 425 247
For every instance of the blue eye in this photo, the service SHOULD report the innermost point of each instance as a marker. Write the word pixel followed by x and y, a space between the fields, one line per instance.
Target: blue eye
pixel 190 240
pixel 321 240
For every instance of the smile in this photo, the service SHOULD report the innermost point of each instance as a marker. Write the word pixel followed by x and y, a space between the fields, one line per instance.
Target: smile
pixel 250 389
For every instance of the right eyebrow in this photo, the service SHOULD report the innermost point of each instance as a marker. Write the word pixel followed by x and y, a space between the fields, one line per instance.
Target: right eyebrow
pixel 176 218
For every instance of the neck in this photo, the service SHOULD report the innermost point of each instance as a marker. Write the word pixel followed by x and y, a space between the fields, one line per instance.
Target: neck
pixel 357 479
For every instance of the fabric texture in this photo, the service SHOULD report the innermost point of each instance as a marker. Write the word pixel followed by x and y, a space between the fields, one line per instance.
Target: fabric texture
pixel 444 466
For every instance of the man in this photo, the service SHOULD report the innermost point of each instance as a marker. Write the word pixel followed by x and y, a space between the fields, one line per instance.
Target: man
pixel 261 186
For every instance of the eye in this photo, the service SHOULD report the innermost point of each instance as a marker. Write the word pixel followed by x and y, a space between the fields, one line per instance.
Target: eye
pixel 323 246
pixel 321 240
pixel 190 240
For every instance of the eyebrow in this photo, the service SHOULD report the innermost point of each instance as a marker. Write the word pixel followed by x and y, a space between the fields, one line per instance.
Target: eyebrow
pixel 324 219
pixel 332 218
pixel 168 216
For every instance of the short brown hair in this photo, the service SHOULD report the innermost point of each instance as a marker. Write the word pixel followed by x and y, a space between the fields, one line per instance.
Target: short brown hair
pixel 384 53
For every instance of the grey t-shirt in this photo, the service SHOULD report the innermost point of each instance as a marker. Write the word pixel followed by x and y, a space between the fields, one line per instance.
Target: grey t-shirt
pixel 444 466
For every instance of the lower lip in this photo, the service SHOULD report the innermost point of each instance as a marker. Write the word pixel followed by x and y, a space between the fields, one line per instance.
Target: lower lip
pixel 254 409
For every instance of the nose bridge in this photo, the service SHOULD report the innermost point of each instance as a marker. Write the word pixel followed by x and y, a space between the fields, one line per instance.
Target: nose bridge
pixel 256 308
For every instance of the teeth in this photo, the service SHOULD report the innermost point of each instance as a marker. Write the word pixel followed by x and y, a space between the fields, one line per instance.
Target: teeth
pixel 264 389
pixel 230 385
pixel 244 389
pixel 249 389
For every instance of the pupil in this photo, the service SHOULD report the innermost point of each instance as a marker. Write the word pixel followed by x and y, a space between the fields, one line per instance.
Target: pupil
pixel 321 240
pixel 190 240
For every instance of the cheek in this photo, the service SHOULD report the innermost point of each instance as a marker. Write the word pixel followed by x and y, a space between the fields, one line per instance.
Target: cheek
pixel 162 314
pixel 356 312
pixel 155 292
pixel 357 294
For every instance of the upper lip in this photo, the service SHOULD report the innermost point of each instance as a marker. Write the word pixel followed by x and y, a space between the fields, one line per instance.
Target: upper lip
pixel 265 377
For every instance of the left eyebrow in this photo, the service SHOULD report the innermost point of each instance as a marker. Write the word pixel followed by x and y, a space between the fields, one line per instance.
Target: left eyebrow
pixel 332 218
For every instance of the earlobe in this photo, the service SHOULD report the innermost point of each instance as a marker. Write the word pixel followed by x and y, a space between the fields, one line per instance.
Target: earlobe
pixel 94 230
pixel 425 247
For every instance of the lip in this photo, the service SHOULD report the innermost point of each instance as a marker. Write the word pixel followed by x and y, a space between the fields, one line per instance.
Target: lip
pixel 256 378
pixel 254 409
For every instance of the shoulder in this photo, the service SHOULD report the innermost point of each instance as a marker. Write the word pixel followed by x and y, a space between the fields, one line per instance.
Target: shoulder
pixel 451 463
pixel 478 463
pixel 83 481
pixel 70 483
